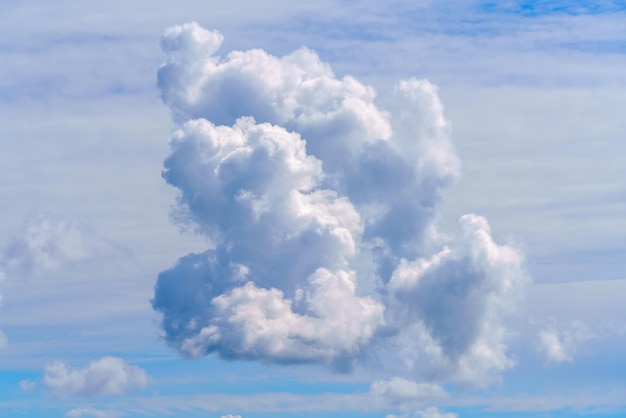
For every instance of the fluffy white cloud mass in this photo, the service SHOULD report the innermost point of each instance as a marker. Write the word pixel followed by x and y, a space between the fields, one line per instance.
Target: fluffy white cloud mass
pixel 320 206
pixel 455 302
pixel 106 376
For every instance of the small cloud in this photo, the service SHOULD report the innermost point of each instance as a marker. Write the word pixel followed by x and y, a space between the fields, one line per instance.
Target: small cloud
pixel 230 416
pixel 434 412
pixel 91 412
pixel 560 345
pixel 403 390
pixel 27 385
pixel 107 376
pixel 48 242
pixel 404 395
pixel 431 412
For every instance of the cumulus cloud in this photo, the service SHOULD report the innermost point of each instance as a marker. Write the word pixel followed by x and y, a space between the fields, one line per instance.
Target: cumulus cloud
pixel 457 300
pixel 255 322
pixel 106 376
pixel 90 412
pixel 230 416
pixel 561 344
pixel 320 207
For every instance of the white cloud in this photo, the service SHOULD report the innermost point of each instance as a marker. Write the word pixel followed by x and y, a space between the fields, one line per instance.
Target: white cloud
pixel 253 322
pixel 296 89
pixel 561 345
pixel 230 416
pixel 27 384
pixel 106 376
pixel 307 233
pixel 456 302
pixel 431 412
pixel 47 242
pixel 404 395
pixel 320 204
pixel 434 412
pixel 427 61
pixel 90 412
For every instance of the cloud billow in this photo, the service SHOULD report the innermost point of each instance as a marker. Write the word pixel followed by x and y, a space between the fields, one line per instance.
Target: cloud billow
pixel 319 205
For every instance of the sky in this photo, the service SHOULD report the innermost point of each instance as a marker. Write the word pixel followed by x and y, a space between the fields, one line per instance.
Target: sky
pixel 312 209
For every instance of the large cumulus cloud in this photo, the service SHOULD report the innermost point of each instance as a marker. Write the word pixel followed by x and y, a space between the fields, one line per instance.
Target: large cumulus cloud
pixel 320 207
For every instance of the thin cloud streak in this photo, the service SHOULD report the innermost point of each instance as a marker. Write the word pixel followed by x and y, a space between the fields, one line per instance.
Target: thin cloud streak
pixel 364 402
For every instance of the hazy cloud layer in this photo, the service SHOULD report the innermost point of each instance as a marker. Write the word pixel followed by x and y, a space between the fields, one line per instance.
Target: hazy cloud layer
pixel 48 242
pixel 320 206
pixel 431 412
pixel 402 394
pixel 106 376
pixel 91 413
pixel 51 248
pixel 560 344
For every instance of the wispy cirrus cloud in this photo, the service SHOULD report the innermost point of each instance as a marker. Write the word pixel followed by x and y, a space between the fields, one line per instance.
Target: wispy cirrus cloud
pixel 365 402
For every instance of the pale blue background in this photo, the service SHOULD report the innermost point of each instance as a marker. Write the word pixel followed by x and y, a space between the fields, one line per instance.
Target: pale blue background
pixel 536 93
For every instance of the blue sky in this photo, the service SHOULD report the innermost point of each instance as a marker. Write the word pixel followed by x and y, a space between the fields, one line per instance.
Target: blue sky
pixel 420 214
